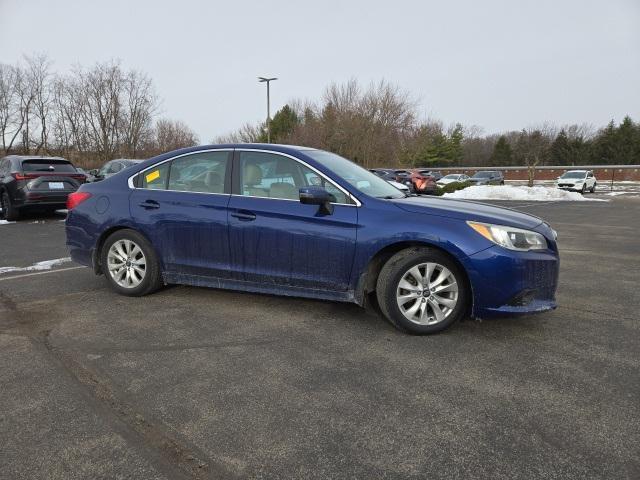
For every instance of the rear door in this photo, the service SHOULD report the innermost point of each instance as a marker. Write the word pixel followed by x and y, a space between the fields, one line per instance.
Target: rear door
pixel 181 205
pixel 275 239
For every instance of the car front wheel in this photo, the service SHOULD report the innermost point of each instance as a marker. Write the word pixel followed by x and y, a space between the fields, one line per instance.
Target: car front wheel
pixel 593 189
pixel 422 291
pixel 130 264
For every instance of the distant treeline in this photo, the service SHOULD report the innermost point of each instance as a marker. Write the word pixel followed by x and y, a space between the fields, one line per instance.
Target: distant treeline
pixel 94 114
pixel 90 115
pixel 378 126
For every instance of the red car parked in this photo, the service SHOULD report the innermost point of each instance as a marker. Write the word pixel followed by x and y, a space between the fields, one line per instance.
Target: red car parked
pixel 422 182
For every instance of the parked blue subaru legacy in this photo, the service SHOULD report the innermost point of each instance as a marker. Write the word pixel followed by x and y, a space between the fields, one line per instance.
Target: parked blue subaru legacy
pixel 297 221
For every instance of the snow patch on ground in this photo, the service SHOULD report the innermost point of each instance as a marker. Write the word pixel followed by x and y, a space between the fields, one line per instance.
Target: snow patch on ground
pixel 509 192
pixel 44 265
pixel 4 222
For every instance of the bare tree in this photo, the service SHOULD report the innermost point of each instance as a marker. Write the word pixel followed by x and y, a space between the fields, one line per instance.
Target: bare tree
pixel 140 104
pixel 37 82
pixel 532 148
pixel 173 134
pixel 367 125
pixel 248 133
pixel 101 107
pixel 11 118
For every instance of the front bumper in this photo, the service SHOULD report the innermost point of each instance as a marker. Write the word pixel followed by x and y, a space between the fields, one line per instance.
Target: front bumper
pixel 572 188
pixel 506 282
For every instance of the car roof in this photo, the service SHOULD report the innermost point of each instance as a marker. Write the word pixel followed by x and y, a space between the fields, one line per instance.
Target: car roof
pixel 35 157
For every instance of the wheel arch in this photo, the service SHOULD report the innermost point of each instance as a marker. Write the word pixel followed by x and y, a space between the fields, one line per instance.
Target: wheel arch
pixel 97 267
pixel 368 280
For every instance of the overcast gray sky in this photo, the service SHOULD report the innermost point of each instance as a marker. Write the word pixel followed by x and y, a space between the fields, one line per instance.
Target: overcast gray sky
pixel 498 64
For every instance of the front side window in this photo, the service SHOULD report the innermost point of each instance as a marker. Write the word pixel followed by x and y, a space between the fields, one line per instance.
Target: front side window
pixel 200 172
pixel 270 175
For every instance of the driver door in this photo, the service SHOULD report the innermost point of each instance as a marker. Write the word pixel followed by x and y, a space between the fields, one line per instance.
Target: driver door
pixel 277 240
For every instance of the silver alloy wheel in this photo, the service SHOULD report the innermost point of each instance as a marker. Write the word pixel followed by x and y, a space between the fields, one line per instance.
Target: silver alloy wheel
pixel 126 263
pixel 427 293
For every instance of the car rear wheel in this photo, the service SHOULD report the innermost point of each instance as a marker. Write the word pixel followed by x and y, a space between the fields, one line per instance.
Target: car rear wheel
pixel 9 212
pixel 422 291
pixel 130 264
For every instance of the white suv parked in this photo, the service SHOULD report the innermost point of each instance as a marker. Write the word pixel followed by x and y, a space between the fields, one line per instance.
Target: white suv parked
pixel 578 180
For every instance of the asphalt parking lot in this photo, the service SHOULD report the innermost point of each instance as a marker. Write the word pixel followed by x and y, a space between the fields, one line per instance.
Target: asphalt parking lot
pixel 201 383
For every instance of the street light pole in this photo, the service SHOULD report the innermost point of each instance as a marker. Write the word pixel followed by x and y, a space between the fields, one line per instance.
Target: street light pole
pixel 267 81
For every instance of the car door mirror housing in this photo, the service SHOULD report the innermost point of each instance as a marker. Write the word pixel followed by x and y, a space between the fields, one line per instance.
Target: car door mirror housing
pixel 317 196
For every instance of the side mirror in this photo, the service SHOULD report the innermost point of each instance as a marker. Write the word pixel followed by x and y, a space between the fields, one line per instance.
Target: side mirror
pixel 317 196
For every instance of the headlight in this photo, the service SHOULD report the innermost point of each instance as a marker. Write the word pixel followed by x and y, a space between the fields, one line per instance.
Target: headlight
pixel 510 237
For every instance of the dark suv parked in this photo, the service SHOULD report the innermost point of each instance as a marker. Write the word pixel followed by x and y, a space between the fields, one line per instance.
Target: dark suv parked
pixel 36 182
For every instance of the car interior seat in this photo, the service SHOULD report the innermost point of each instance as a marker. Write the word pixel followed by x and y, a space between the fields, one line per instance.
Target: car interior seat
pixel 251 178
pixel 213 182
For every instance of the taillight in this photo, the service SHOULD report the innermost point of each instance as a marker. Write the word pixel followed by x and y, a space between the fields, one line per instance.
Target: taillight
pixel 21 176
pixel 76 198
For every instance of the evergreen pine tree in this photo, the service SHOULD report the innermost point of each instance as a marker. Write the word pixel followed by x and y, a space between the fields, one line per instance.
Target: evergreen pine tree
pixel 502 154
pixel 560 153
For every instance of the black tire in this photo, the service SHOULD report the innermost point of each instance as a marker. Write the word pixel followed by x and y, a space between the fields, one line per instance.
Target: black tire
pixel 9 212
pixel 583 190
pixel 593 189
pixel 391 274
pixel 152 280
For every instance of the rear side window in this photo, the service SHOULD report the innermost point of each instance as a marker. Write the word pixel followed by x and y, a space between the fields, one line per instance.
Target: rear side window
pixel 200 172
pixel 45 166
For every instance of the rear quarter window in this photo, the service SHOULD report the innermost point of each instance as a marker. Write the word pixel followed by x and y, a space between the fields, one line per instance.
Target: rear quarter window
pixel 155 178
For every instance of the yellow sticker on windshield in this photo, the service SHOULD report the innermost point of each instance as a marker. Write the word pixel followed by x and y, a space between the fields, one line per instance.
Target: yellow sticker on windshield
pixel 153 176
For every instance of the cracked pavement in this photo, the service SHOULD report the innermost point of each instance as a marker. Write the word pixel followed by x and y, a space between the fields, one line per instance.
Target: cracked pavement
pixel 200 383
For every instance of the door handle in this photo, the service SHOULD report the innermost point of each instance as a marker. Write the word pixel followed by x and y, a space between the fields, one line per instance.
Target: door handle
pixel 149 204
pixel 244 215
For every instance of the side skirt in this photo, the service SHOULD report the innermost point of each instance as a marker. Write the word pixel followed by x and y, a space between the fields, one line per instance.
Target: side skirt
pixel 271 289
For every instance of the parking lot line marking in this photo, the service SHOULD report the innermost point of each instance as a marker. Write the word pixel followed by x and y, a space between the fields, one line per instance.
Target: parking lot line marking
pixel 14 277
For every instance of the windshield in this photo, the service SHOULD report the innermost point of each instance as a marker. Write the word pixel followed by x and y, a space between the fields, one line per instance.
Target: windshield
pixel 483 175
pixel 576 174
pixel 358 177
pixel 451 177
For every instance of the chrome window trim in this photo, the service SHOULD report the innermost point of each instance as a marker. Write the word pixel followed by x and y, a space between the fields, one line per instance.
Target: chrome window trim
pixel 155 165
pixel 131 177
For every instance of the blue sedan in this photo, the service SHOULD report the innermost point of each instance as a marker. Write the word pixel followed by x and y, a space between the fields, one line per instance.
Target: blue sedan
pixel 303 222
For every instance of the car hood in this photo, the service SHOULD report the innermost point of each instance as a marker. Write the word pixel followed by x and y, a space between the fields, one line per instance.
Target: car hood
pixel 467 210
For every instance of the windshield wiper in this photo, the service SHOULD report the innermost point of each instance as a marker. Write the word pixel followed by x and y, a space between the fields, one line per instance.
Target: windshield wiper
pixel 391 197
